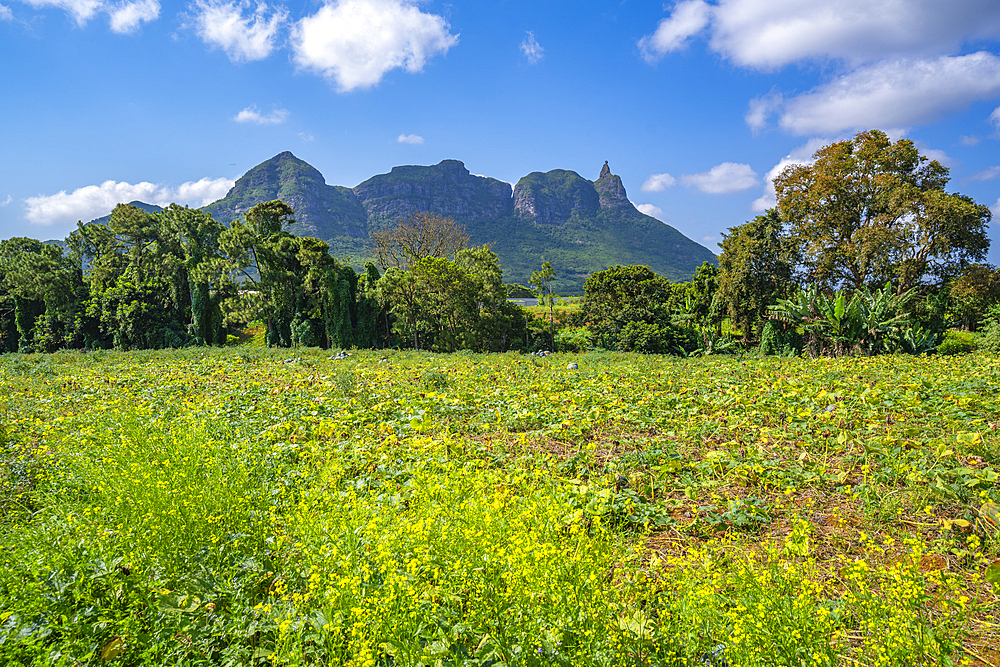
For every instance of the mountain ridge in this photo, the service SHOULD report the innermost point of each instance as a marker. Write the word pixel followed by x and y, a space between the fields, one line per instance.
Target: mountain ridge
pixel 580 226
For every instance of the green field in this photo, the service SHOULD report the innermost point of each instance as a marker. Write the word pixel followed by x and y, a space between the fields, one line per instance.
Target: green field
pixel 245 506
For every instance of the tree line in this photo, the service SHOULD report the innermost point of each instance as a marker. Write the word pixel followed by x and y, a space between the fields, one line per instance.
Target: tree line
pixel 865 252
pixel 178 277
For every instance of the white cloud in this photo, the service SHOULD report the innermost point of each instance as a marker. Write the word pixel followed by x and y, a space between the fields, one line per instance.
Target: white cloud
pixel 6 14
pixel 531 49
pixel 127 17
pixel 768 34
pixel 969 140
pixel 6 201
pixel 410 139
pixel 658 183
pixel 722 179
pixel 80 10
pixel 688 18
pixel 895 93
pixel 987 174
pixel 124 16
pixel 761 108
pixel 709 239
pixel 252 115
pixel 305 136
pixel 94 201
pixel 650 210
pixel 354 43
pixel 996 211
pixel 995 118
pixel 232 27
pixel 801 155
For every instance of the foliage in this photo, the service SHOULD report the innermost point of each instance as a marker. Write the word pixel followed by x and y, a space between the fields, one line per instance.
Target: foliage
pixel 756 268
pixel 863 322
pixel 868 211
pixel 236 507
pixel 957 342
pixel 628 308
pixel 446 305
pixel 972 293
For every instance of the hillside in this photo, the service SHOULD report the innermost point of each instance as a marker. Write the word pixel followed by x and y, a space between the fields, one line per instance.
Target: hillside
pixel 581 226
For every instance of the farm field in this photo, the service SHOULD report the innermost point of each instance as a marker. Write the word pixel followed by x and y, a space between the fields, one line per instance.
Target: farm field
pixel 244 506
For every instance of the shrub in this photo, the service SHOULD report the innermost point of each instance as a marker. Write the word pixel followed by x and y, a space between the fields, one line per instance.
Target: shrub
pixel 957 342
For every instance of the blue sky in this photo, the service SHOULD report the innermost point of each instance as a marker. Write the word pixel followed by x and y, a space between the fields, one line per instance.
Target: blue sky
pixel 696 104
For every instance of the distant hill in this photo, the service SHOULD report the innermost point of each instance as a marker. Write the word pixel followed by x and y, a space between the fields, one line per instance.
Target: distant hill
pixel 581 226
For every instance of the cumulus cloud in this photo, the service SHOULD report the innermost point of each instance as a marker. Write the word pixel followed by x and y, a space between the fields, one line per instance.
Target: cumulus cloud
pixel 6 14
pixel 245 34
pixel 410 139
pixel 94 201
pixel 305 136
pixel 893 62
pixel 896 93
pixel 354 43
pixel 722 179
pixel 650 210
pixel 969 140
pixel 658 183
pixel 6 201
pixel 124 16
pixel 128 16
pixel 995 118
pixel 531 49
pixel 986 174
pixel 801 155
pixel 252 115
pixel 688 18
pixel 769 34
pixel 996 210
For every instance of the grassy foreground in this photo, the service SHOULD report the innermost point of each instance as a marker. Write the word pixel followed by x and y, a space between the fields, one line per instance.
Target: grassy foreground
pixel 245 506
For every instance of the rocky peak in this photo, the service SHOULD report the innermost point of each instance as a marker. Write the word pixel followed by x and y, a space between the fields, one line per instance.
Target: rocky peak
pixel 610 189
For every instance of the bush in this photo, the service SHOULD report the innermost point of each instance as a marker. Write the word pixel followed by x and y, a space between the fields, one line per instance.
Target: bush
pixel 957 342
pixel 574 339
pixel 990 340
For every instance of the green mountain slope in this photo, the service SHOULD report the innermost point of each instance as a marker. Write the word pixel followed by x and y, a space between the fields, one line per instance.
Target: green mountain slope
pixel 321 210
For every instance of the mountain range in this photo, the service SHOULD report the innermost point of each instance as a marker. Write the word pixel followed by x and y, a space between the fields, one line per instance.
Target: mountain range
pixel 580 226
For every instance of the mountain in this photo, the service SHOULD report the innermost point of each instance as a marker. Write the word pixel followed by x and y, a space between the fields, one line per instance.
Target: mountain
pixel 321 210
pixel 581 226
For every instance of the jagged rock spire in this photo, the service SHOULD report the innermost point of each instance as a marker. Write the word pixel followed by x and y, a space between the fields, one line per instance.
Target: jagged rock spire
pixel 606 171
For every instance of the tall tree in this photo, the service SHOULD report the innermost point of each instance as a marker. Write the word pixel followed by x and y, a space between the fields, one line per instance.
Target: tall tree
pixel 756 268
pixel 869 210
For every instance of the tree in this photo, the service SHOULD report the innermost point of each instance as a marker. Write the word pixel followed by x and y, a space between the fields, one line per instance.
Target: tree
pixel 542 282
pixel 628 308
pixel 417 236
pixel 972 294
pixel 868 211
pixel 260 255
pixel 756 268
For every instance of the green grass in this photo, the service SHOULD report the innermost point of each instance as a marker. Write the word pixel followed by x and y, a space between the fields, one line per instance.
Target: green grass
pixel 247 505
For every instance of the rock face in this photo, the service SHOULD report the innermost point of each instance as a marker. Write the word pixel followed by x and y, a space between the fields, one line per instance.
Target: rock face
pixel 553 197
pixel 321 210
pixel 446 188
pixel 581 226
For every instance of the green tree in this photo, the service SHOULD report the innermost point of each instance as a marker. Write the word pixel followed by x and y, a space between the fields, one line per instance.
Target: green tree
pixel 869 210
pixel 629 308
pixel 756 268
